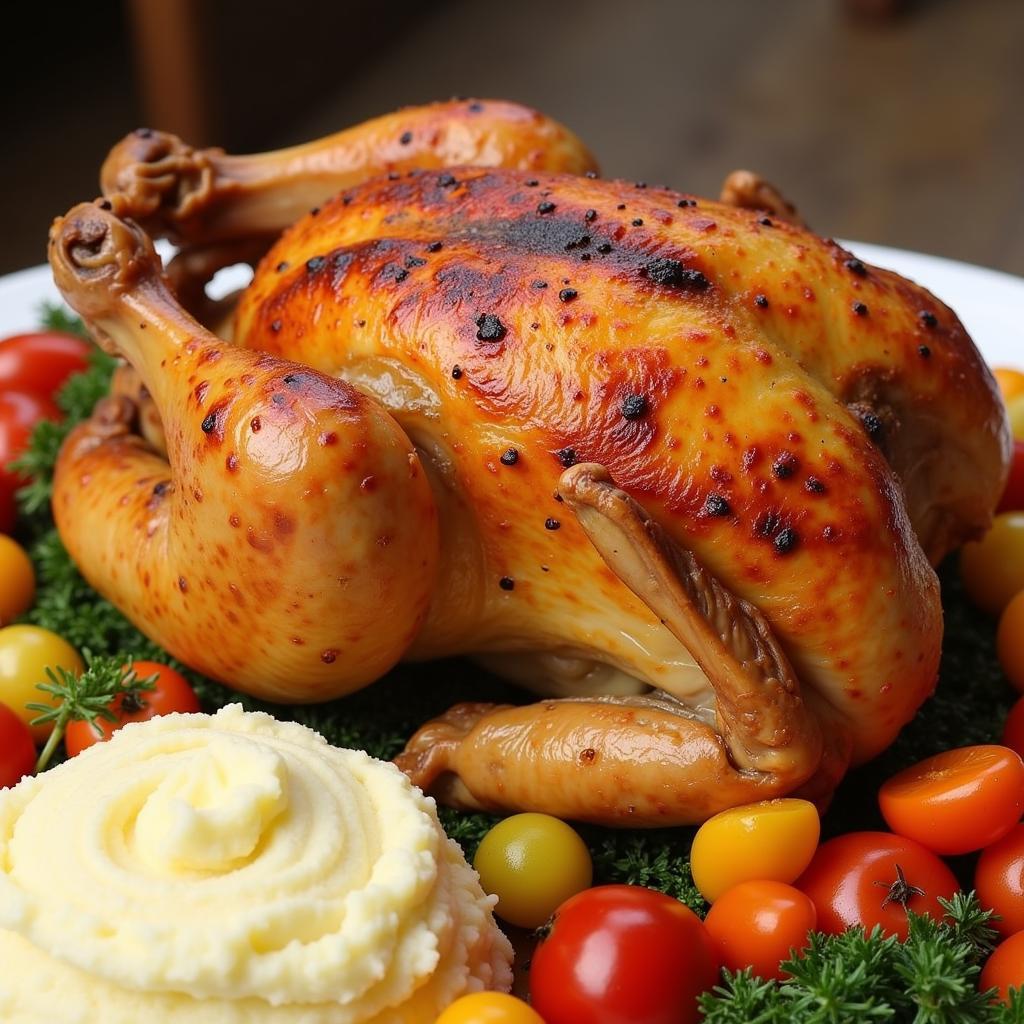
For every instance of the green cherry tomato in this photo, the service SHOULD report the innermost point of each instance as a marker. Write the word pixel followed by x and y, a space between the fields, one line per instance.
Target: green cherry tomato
pixel 532 863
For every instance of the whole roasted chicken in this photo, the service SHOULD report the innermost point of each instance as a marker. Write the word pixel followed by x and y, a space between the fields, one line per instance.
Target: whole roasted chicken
pixel 679 466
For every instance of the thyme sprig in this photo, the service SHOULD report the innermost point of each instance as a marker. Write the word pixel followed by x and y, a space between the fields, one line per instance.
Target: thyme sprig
pixel 86 697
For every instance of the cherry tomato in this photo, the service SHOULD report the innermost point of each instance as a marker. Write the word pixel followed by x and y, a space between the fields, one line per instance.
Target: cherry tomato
pixel 533 863
pixel 489 1008
pixel 993 567
pixel 622 954
pixel 957 801
pixel 25 654
pixel 17 751
pixel 171 693
pixel 1015 414
pixel 999 881
pixel 19 413
pixel 1010 381
pixel 869 878
pixel 759 924
pixel 1013 733
pixel 1005 968
pixel 18 586
pixel 39 363
pixel 1013 494
pixel 774 839
pixel 1010 641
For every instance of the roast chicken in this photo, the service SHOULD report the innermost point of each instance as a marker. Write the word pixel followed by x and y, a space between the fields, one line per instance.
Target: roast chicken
pixel 679 466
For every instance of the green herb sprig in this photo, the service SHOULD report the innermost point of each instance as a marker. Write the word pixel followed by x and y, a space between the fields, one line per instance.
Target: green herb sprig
pixel 86 697
pixel 931 978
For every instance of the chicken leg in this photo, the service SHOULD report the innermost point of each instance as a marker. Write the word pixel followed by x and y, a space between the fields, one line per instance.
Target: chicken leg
pixel 645 760
pixel 291 517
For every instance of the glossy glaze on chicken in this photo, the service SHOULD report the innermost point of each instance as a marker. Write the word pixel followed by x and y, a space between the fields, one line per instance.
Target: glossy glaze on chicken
pixel 679 466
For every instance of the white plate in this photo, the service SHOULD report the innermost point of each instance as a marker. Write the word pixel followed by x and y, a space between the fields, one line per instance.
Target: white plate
pixel 990 304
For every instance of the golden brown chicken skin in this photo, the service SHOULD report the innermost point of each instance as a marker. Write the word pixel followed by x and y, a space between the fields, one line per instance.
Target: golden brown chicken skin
pixel 687 462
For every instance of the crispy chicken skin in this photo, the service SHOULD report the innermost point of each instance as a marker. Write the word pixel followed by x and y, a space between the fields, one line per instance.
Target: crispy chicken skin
pixel 688 467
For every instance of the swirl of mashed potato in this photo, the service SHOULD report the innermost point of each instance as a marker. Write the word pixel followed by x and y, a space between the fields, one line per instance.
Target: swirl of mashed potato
pixel 232 868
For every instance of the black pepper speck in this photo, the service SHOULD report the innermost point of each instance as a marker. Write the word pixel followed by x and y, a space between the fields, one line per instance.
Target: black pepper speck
pixel 435 246
pixel 860 308
pixel 673 274
pixel 552 524
pixel 275 325
pixel 928 318
pixel 785 465
pixel 855 266
pixel 489 328
pixel 590 215
pixel 814 485
pixel 716 505
pixel 546 207
pixel 447 181
pixel 924 351
pixel 208 423
pixel 509 457
pixel 567 457
pixel 507 583
pixel 456 372
pixel 786 540
pixel 634 406
pixel 405 138
pixel 604 248
pixel 568 294
pixel 766 221
pixel 761 300
pixel 314 264
pixel 638 222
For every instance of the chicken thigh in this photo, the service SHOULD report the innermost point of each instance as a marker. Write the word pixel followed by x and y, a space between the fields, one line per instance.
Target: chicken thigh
pixel 679 466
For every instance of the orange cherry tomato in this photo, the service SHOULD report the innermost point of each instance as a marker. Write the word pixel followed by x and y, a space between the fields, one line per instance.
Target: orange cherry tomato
pixel 489 1008
pixel 1010 381
pixel 957 801
pixel 1013 732
pixel 869 878
pixel 1010 641
pixel 999 881
pixel 171 693
pixel 760 924
pixel 1005 968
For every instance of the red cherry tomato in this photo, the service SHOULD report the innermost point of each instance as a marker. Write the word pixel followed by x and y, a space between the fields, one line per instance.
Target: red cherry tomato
pixel 19 413
pixel 759 924
pixel 1013 496
pixel 999 881
pixel 622 954
pixel 17 751
pixel 171 693
pixel 869 878
pixel 1005 968
pixel 39 363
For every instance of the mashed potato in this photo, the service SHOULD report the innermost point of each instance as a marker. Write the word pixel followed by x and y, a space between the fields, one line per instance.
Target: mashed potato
pixel 232 868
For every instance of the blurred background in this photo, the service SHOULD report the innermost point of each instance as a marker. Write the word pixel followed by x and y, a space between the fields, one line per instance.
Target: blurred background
pixel 885 121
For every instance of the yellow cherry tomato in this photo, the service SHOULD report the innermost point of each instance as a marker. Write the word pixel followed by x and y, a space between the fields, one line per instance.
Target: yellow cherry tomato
pixel 1010 641
pixel 533 863
pixel 1015 413
pixel 769 841
pixel 489 1008
pixel 1010 381
pixel 17 580
pixel 993 567
pixel 25 654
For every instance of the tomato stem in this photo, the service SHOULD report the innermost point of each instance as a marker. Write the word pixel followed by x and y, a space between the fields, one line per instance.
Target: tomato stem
pixel 900 891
